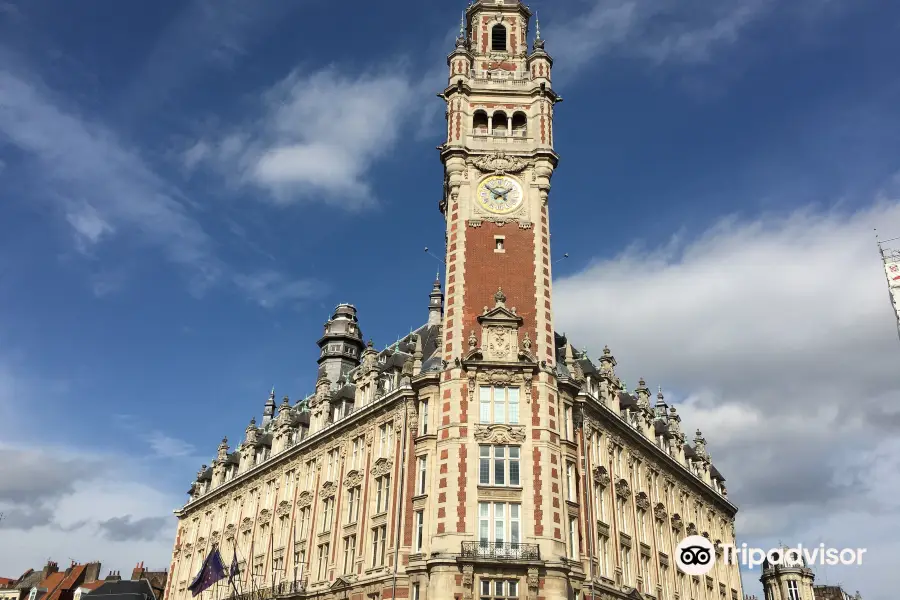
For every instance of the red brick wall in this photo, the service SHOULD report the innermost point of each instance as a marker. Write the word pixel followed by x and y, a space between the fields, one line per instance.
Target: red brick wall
pixel 487 270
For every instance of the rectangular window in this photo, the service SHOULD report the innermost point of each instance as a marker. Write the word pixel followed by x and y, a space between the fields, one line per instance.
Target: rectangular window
pixel 603 555
pixel 310 474
pixel 645 574
pixel 289 484
pixel 353 495
pixel 499 523
pixel 626 565
pixel 283 523
pixel 382 493
pixel 498 465
pixel 420 529
pixel 664 580
pixel 417 592
pixel 570 424
pixel 642 524
pixel 423 474
pixel 349 553
pixel 622 514
pixel 379 535
pixel 322 562
pixel 385 439
pixel 423 417
pixel 573 537
pixel 498 405
pixel 570 483
pixel 498 589
pixel 302 522
pixel 327 509
pixel 793 591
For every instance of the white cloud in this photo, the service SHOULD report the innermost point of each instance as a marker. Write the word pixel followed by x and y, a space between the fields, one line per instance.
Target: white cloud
pixel 319 135
pixel 270 288
pixel 687 32
pixel 776 338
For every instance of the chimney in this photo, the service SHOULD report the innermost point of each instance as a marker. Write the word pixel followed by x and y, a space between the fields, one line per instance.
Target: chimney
pixel 138 571
pixel 51 567
pixel 92 572
pixel 114 576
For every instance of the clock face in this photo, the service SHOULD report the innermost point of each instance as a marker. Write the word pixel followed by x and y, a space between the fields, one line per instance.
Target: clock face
pixel 500 194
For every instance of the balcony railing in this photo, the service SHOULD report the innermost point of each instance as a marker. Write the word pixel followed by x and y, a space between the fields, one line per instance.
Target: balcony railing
pixel 501 551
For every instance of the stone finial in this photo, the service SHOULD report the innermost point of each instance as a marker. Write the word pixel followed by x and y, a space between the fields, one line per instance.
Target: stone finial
pixel 370 344
pixel 607 362
pixel 500 297
pixel 675 422
pixel 700 446
pixel 526 343
pixel 461 38
pixel 473 341
pixel 223 450
pixel 201 471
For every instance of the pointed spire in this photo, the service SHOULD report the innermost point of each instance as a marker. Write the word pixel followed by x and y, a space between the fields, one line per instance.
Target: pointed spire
pixel 269 410
pixel 538 41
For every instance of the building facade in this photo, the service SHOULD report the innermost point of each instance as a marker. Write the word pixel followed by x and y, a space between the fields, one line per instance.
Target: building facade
pixel 481 456
pixel 793 579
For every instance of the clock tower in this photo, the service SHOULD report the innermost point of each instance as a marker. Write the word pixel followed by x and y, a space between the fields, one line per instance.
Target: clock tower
pixel 498 162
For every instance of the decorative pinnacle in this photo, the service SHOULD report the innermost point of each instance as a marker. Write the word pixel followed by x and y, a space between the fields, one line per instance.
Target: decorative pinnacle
pixel 537 28
pixel 500 297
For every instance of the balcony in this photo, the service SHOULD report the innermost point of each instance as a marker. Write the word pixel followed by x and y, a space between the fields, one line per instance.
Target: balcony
pixel 500 551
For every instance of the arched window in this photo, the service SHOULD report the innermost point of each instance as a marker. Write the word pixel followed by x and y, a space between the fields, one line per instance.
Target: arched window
pixel 520 124
pixel 498 38
pixel 480 123
pixel 501 123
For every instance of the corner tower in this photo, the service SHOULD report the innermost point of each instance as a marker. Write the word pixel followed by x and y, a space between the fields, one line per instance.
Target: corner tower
pixel 498 162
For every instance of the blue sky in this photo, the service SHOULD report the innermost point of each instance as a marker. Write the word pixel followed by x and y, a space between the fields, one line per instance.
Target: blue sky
pixel 164 261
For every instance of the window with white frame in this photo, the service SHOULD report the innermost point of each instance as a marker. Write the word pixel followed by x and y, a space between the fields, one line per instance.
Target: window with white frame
pixel 33 594
pixel 332 464
pixel 419 531
pixel 379 543
pixel 573 537
pixel 571 491
pixel 327 512
pixel 283 525
pixel 499 465
pixel 603 555
pixel 322 561
pixel 499 523
pixel 302 523
pixel 423 417
pixel 353 496
pixel 349 553
pixel 569 431
pixel 600 503
pixel 289 484
pixel 357 447
pixel 382 493
pixel 642 524
pixel 793 590
pixel 645 574
pixel 310 474
pixel 422 481
pixel 622 514
pixel 626 565
pixel 596 446
pixel 498 589
pixel 385 439
pixel 417 591
pixel 498 405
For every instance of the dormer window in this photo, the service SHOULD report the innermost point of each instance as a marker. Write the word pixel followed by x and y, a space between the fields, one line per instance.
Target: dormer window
pixel 33 594
pixel 498 38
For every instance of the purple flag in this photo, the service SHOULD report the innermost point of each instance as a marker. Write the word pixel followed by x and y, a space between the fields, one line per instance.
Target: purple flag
pixel 213 570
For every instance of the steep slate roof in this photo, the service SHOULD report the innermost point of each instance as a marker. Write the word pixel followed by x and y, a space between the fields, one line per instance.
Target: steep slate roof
pixel 125 590
pixel 29 579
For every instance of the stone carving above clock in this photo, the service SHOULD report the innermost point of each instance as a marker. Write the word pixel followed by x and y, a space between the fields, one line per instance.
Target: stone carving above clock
pixel 500 163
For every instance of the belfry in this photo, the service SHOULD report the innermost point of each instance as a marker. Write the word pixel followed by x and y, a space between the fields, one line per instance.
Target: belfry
pixel 482 456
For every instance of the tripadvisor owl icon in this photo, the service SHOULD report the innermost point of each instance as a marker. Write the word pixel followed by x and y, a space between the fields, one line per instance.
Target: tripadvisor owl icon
pixel 695 555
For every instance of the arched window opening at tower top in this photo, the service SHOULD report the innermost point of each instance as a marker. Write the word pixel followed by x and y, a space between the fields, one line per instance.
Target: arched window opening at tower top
pixel 498 38
pixel 520 124
pixel 500 122
pixel 480 123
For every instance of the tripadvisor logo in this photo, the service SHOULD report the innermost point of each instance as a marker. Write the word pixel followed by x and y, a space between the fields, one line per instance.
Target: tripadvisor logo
pixel 695 555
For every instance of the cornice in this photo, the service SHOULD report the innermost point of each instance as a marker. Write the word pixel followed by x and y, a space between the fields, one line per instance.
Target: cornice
pixel 385 404
pixel 624 430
